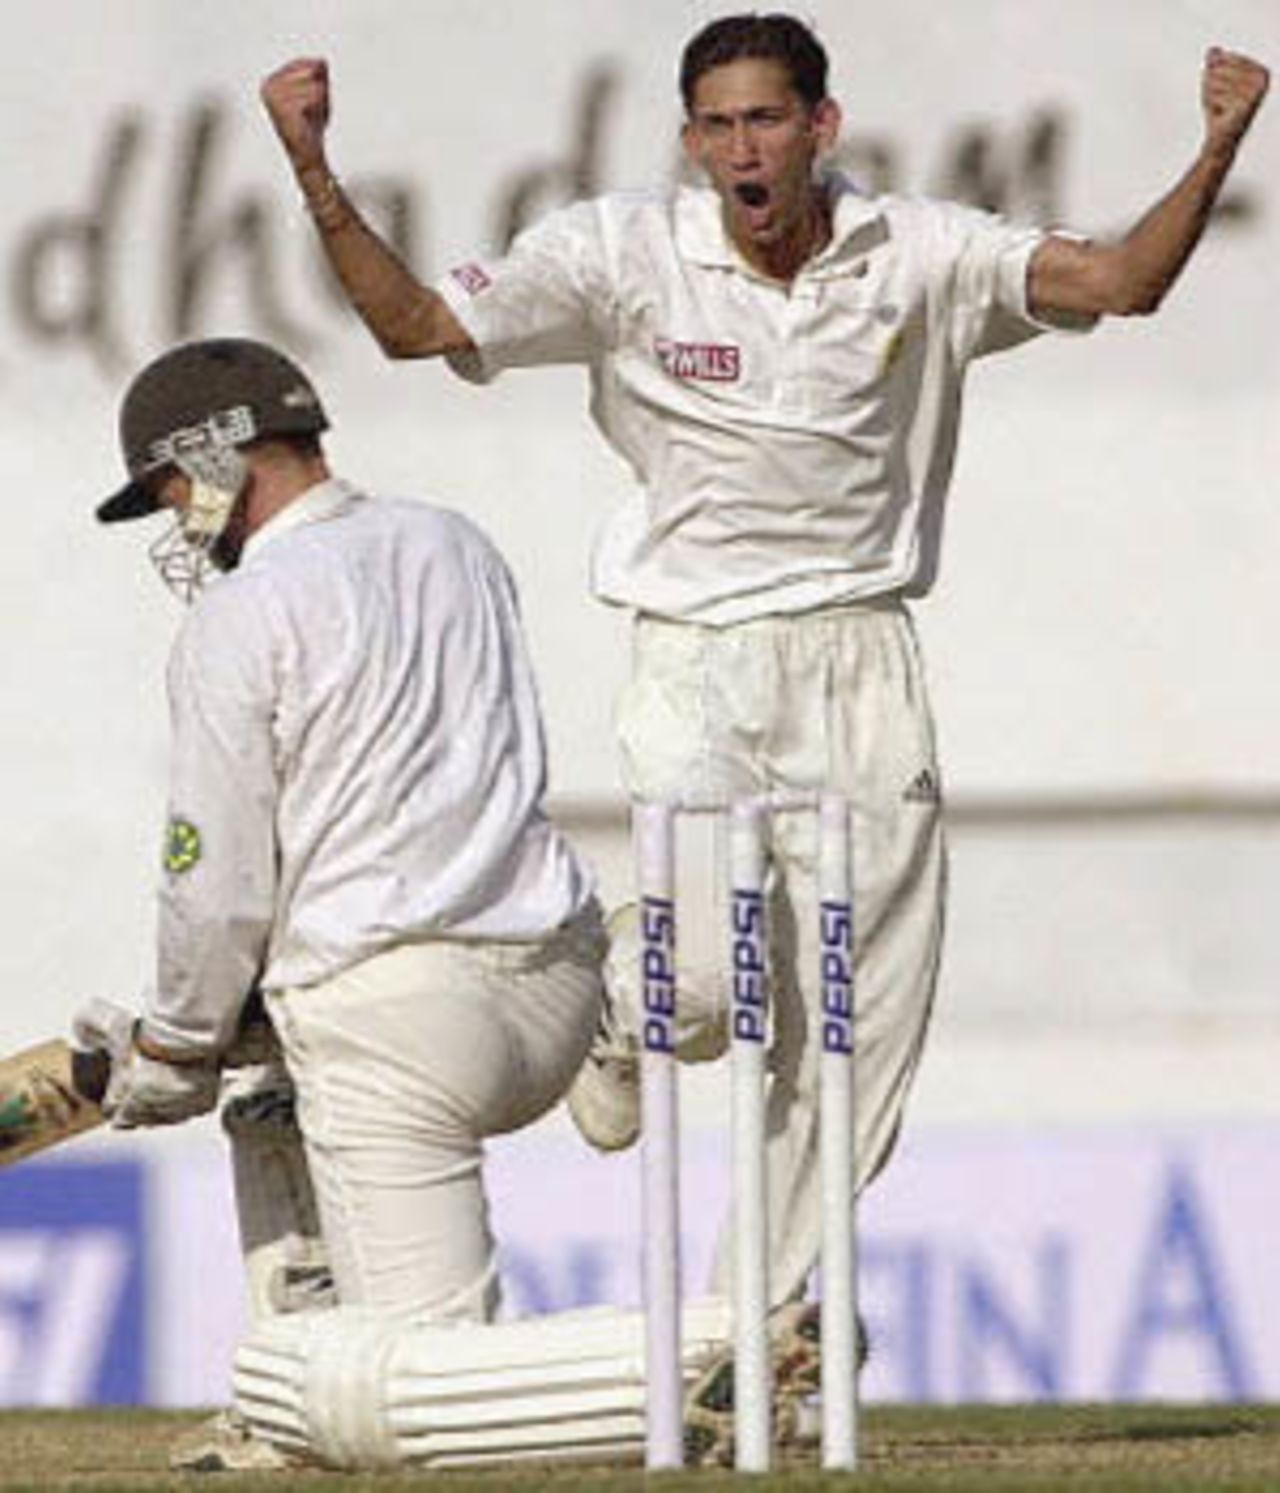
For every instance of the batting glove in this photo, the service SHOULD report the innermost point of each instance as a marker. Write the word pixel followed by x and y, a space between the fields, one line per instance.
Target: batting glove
pixel 149 1085
pixel 104 1026
pixel 148 1088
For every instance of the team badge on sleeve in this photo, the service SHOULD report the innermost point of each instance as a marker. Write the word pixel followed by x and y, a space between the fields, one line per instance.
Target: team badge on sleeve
pixel 471 277
pixel 181 846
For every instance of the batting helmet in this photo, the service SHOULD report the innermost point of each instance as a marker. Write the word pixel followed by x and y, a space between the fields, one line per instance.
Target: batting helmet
pixel 225 391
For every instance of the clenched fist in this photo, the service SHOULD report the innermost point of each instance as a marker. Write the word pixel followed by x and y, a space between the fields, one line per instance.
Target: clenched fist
pixel 1231 91
pixel 297 99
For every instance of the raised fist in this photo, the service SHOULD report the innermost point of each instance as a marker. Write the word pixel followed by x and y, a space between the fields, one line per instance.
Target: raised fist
pixel 1231 91
pixel 297 99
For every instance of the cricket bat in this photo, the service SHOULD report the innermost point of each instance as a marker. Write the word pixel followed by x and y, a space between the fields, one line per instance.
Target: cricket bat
pixel 49 1093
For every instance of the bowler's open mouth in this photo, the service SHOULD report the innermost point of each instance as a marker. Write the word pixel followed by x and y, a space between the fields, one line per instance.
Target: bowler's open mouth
pixel 751 193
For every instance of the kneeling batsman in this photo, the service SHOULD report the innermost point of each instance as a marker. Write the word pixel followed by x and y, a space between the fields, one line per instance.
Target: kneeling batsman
pixel 374 949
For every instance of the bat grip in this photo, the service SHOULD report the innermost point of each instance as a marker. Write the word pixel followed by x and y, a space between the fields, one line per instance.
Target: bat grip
pixel 90 1073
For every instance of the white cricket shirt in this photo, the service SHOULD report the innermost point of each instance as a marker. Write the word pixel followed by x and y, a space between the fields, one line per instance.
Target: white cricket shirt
pixel 357 760
pixel 793 444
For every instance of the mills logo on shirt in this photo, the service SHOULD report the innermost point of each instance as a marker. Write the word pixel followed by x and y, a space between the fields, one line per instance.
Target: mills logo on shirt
pixel 705 362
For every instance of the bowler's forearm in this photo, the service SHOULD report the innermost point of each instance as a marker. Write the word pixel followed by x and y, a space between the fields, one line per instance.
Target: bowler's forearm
pixel 408 319
pixel 1131 276
pixel 1151 256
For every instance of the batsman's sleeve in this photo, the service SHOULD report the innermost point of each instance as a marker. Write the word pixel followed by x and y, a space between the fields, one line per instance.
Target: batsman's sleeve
pixel 548 300
pixel 218 887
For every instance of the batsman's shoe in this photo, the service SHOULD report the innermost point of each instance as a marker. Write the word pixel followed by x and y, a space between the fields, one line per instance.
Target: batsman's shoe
pixel 604 1098
pixel 795 1357
pixel 224 1443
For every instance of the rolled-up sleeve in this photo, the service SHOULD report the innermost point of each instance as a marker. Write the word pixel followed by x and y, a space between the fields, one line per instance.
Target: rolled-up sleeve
pixel 546 301
pixel 988 286
pixel 218 887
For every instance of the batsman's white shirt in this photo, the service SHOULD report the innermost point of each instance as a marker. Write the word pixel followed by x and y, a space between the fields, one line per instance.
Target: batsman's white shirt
pixel 357 760
pixel 793 444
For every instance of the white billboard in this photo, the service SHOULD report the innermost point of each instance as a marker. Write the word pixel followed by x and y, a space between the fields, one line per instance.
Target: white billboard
pixel 1120 1263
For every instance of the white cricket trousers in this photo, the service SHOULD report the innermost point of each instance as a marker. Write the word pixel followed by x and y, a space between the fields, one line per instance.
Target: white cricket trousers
pixel 402 1065
pixel 833 699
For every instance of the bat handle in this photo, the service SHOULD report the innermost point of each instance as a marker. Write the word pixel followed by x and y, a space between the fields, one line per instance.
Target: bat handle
pixel 90 1073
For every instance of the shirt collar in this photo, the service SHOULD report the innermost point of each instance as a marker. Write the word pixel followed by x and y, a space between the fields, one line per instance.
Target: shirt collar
pixel 324 500
pixel 700 234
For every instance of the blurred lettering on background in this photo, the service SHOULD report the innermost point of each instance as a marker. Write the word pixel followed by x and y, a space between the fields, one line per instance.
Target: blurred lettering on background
pixel 164 237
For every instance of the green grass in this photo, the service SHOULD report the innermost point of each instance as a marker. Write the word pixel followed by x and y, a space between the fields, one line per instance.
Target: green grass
pixel 1077 1449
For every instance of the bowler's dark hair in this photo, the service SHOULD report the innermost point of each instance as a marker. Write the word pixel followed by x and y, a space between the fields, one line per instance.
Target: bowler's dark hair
pixel 772 38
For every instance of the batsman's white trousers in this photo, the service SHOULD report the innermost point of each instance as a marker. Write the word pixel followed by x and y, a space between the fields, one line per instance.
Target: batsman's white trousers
pixel 402 1065
pixel 833 699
